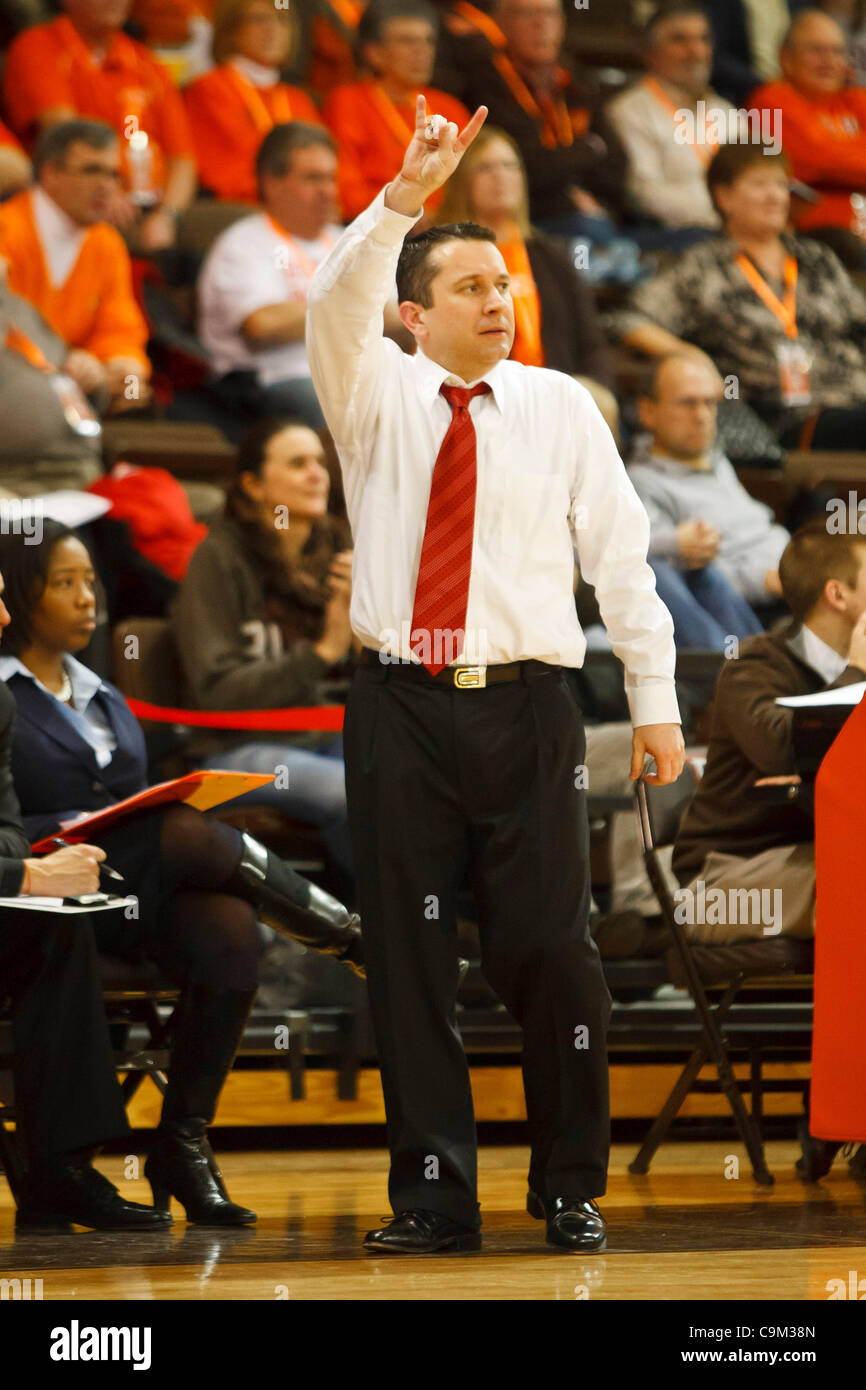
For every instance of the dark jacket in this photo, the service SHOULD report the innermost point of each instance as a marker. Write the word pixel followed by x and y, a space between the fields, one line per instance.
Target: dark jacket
pixel 55 771
pixel 570 331
pixel 14 844
pixel 234 654
pixel 750 737
pixel 595 161
pixel 733 75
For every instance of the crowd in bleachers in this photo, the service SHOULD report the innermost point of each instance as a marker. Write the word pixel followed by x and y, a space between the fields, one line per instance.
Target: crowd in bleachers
pixel 172 172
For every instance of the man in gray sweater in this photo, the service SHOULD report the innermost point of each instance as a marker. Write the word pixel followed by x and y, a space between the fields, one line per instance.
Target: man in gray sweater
pixel 714 549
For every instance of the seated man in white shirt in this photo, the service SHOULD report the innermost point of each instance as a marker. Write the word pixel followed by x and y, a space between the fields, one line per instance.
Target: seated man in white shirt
pixel 714 549
pixel 252 290
pixel 669 123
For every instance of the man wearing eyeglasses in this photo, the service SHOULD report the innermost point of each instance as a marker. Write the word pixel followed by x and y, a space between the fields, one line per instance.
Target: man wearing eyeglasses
pixel 824 125
pixel 75 268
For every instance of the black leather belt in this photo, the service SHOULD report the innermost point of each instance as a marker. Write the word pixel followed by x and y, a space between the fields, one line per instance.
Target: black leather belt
pixel 463 677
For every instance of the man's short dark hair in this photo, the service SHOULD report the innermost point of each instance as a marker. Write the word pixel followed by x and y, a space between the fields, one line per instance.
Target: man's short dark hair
pixel 812 556
pixel 279 145
pixel 670 9
pixel 416 268
pixel 378 13
pixel 53 144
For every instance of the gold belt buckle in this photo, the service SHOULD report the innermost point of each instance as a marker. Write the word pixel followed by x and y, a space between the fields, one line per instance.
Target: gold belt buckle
pixel 470 677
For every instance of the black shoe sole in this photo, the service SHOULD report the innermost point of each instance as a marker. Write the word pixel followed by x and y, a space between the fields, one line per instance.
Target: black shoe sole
pixel 27 1219
pixel 578 1249
pixel 444 1247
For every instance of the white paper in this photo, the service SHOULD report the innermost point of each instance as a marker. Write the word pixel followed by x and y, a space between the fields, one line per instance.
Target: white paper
pixel 92 902
pixel 842 695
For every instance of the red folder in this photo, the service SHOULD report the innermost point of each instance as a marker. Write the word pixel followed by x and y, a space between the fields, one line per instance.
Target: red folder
pixel 838 1094
pixel 200 789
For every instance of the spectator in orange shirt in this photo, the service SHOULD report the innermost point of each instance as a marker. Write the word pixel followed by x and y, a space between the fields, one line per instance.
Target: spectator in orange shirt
pixel 74 268
pixel 373 121
pixel 82 64
pixel 232 108
pixel 14 164
pixel 333 32
pixel 823 125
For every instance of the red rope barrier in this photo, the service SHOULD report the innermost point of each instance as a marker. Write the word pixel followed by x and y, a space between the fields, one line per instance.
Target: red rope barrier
pixel 301 718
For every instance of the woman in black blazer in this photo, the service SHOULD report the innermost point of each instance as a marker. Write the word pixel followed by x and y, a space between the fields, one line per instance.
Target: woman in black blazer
pixel 199 884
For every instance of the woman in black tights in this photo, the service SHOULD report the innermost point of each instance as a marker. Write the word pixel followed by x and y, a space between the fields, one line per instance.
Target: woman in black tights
pixel 200 886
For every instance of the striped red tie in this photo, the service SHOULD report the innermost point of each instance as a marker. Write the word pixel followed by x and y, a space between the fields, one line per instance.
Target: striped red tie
pixel 442 591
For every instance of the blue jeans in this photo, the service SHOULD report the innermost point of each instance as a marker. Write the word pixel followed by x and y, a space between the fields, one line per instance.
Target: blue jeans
pixel 316 790
pixel 705 606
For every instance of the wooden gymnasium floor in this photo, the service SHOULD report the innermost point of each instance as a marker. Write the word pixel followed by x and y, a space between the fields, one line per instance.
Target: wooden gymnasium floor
pixel 684 1231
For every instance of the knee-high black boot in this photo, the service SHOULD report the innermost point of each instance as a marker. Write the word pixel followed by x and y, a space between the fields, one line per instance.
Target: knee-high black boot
pixel 294 906
pixel 209 1027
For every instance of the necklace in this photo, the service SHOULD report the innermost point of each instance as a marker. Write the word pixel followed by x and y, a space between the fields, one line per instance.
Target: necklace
pixel 64 694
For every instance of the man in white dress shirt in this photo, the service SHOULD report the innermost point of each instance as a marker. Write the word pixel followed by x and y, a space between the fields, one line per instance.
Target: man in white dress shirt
pixel 453 766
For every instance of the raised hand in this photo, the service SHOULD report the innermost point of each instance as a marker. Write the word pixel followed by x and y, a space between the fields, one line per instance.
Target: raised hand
pixel 430 159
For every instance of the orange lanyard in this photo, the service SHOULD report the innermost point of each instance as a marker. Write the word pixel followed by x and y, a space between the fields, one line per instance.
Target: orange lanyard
pixel 17 341
pixel 527 308
pixel 552 117
pixel 398 124
pixel 703 153
pixel 264 116
pixel 480 21
pixel 784 309
pixel 305 262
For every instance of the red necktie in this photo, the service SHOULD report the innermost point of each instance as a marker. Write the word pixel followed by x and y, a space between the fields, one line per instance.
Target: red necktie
pixel 442 591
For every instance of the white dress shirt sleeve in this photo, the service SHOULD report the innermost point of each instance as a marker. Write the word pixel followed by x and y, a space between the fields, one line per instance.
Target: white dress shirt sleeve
pixel 345 308
pixel 611 532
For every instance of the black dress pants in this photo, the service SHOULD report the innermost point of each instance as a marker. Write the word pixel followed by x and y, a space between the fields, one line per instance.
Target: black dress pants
pixel 66 1090
pixel 440 779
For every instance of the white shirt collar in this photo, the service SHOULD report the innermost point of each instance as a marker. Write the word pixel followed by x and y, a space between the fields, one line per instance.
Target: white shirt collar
pixel 816 653
pixel 60 235
pixel 257 73
pixel 85 683
pixel 432 374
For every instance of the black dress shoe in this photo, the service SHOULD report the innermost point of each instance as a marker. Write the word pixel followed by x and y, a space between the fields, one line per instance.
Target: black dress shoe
pixel 420 1232
pixel 572 1224
pixel 76 1193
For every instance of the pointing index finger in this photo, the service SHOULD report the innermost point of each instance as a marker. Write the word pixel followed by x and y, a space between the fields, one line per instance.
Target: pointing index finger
pixel 420 113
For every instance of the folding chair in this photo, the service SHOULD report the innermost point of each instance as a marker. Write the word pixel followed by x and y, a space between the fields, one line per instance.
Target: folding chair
pixel 761 963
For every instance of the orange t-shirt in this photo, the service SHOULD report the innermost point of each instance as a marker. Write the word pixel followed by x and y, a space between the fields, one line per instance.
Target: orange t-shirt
pixel 825 140
pixel 94 308
pixel 373 133
pixel 50 66
pixel 332 58
pixel 229 118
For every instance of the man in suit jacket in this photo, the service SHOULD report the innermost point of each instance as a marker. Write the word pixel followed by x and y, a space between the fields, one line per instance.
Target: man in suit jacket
pixel 67 1099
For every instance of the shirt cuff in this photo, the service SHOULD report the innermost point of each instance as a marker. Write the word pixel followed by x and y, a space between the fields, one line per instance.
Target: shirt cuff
pixel 653 704
pixel 389 227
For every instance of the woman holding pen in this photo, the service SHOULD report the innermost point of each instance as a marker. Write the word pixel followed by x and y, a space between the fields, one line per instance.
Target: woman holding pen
pixel 199 886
